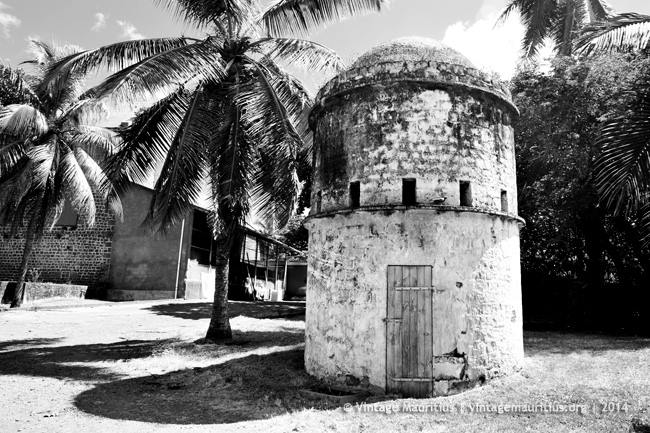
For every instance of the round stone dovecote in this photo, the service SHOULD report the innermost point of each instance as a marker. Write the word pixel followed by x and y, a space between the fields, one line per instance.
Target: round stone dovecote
pixel 414 278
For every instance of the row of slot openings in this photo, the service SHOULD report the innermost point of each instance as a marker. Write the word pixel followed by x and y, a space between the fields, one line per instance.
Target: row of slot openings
pixel 409 194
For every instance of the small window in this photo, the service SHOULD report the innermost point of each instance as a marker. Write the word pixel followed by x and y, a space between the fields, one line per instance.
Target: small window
pixel 355 194
pixel 68 217
pixel 504 200
pixel 319 201
pixel 465 193
pixel 409 197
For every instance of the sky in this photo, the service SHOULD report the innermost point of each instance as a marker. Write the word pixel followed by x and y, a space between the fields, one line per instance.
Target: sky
pixel 466 25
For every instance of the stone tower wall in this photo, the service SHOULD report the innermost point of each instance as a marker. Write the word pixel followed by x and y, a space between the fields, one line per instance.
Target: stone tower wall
pixel 477 305
pixel 442 123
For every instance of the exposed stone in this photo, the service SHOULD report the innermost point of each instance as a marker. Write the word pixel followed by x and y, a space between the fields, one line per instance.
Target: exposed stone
pixel 441 387
pixel 448 369
pixel 40 291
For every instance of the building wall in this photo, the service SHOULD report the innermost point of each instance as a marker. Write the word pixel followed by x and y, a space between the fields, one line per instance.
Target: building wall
pixel 81 255
pixel 144 265
pixel 477 307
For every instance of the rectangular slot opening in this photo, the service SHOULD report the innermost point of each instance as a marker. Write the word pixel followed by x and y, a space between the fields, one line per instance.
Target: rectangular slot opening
pixel 319 201
pixel 68 217
pixel 355 194
pixel 465 193
pixel 409 197
pixel 504 200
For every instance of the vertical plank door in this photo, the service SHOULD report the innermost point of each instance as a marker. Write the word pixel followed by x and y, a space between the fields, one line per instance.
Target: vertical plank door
pixel 409 344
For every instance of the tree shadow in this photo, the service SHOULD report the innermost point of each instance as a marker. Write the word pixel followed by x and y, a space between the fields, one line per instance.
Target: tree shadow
pixel 75 361
pixel 554 343
pixel 15 344
pixel 244 389
pixel 66 362
pixel 256 310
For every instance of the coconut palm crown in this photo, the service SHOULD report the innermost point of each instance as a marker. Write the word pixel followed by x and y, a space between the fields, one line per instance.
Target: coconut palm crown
pixel 49 153
pixel 559 20
pixel 226 114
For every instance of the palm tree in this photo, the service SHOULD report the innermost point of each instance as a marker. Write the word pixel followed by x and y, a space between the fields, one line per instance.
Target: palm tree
pixel 48 152
pixel 621 32
pixel 622 171
pixel 559 20
pixel 225 115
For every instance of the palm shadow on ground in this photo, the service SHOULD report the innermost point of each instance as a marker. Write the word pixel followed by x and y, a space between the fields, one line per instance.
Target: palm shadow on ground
pixel 256 310
pixel 104 362
pixel 250 388
pixel 75 362
pixel 263 386
pixel 27 342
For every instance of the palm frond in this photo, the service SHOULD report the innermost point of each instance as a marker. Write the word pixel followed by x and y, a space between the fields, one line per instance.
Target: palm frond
pixel 643 218
pixel 622 171
pixel 301 16
pixel 146 141
pixel 300 52
pixel 111 57
pixel 85 112
pixel 623 32
pixel 42 161
pixel 270 111
pixel 300 104
pixel 163 71
pixel 100 143
pixel 19 82
pixel 22 121
pixel 597 10
pixel 11 151
pixel 77 189
pixel 537 17
pixel 565 26
pixel 231 160
pixel 98 181
pixel 62 91
pixel 205 12
pixel 181 178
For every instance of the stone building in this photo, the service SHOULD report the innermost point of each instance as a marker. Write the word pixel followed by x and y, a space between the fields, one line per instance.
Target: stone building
pixel 123 260
pixel 414 276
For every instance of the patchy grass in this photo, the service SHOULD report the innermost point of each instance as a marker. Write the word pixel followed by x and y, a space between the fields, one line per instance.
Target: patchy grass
pixel 604 387
pixel 78 378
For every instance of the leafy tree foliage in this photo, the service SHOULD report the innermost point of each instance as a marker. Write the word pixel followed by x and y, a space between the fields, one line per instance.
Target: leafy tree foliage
pixel 568 235
pixel 12 90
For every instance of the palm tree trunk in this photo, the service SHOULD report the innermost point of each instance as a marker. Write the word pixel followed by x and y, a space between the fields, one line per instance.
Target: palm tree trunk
pixel 219 329
pixel 19 291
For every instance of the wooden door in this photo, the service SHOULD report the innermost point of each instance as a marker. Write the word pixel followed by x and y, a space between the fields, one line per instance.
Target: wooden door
pixel 409 331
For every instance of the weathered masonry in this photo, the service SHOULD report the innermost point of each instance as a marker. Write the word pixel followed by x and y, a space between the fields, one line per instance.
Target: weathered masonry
pixel 414 279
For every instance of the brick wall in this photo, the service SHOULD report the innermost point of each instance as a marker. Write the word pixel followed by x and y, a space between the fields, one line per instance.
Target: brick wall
pixel 80 255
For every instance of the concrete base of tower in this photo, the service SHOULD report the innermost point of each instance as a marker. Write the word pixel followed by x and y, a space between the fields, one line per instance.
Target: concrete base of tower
pixel 398 297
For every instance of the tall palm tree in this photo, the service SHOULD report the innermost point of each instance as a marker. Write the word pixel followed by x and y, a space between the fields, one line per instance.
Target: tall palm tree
pixel 48 152
pixel 226 114
pixel 622 171
pixel 559 20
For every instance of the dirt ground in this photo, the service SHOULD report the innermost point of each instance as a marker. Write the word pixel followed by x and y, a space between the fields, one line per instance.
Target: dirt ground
pixel 133 367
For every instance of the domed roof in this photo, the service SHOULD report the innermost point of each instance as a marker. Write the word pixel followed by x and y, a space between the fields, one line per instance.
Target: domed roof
pixel 411 49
